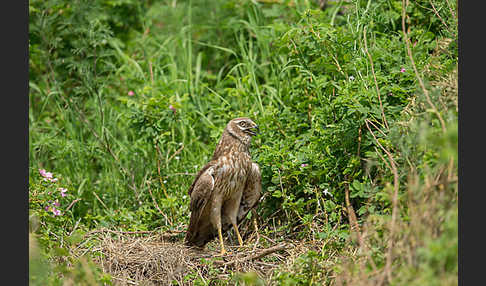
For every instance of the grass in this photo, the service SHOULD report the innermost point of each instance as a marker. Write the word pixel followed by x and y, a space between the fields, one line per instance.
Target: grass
pixel 358 149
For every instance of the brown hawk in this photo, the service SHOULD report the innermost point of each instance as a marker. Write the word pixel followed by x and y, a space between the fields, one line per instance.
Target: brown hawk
pixel 226 188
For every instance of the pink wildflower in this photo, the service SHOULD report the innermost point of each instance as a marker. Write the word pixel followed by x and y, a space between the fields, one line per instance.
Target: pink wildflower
pixel 63 192
pixel 304 165
pixel 47 208
pixel 55 211
pixel 45 174
pixel 402 70
pixel 172 108
pixel 131 93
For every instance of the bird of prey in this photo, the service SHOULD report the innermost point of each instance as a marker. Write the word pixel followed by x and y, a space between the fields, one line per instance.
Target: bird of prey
pixel 226 188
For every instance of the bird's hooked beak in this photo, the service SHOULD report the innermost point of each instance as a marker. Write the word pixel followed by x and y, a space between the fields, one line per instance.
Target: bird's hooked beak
pixel 254 130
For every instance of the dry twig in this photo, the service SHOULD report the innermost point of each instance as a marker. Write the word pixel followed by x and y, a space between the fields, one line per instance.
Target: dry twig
pixel 157 207
pixel 158 170
pixel 147 259
pixel 396 183
pixel 421 83
pixel 261 254
pixel 374 78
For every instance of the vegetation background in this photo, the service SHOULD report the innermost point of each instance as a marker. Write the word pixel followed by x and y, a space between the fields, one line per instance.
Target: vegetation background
pixel 356 101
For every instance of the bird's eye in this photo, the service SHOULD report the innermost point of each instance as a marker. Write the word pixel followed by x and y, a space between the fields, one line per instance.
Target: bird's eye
pixel 243 124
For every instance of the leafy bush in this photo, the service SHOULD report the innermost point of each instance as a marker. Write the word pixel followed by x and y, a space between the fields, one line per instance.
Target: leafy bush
pixel 50 206
pixel 128 99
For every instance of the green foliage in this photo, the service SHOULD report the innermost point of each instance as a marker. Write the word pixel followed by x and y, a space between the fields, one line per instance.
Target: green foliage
pixel 437 259
pixel 250 278
pixel 56 267
pixel 309 271
pixel 128 99
pixel 53 233
pixel 51 205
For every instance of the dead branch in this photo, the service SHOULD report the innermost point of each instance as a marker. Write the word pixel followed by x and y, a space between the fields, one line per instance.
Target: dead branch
pixel 263 253
pixel 158 170
pixel 353 220
pixel 151 72
pixel 102 230
pixel 421 83
pixel 180 174
pixel 451 10
pixel 171 233
pixel 72 203
pixel 98 198
pixel 175 153
pixel 396 183
pixel 359 141
pixel 374 78
pixel 438 15
pixel 157 207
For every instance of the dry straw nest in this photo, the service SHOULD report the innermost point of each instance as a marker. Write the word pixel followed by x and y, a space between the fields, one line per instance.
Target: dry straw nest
pixel 151 258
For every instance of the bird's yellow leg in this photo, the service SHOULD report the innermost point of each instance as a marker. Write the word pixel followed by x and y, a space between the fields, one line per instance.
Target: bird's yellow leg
pixel 238 234
pixel 255 225
pixel 220 234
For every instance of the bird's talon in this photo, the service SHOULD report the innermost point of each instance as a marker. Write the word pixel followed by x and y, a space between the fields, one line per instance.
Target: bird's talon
pixel 224 253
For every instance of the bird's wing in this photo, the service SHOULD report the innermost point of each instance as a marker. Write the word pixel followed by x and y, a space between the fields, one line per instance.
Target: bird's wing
pixel 251 192
pixel 200 192
pixel 198 175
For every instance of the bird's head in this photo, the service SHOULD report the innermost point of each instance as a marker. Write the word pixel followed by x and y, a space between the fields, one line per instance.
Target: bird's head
pixel 243 128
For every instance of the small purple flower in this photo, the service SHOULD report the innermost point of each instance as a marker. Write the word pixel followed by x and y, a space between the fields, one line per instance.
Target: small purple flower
pixel 47 208
pixel 56 203
pixel 131 93
pixel 304 165
pixel 402 70
pixel 55 211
